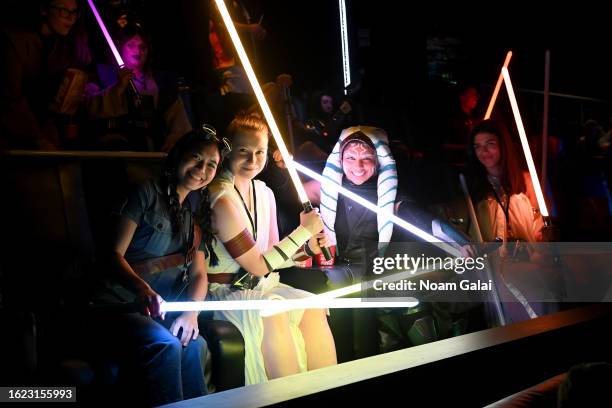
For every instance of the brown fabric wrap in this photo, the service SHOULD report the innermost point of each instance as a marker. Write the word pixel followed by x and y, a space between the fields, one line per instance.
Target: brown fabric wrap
pixel 157 265
pixel 222 278
pixel 240 244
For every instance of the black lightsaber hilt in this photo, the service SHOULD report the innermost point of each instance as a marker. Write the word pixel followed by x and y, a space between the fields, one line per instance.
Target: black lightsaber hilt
pixel 307 206
pixel 136 94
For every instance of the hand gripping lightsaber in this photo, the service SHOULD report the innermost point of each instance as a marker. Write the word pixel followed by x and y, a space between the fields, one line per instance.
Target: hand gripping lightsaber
pixel 113 48
pixel 327 299
pixel 244 59
pixel 526 150
pixel 497 87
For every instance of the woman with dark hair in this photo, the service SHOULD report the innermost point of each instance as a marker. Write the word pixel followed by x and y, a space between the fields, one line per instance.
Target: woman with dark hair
pixel 39 65
pixel 250 252
pixel 160 254
pixel 152 116
pixel 502 191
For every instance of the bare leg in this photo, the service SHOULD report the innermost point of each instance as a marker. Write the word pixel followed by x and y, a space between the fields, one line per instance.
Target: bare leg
pixel 320 346
pixel 278 348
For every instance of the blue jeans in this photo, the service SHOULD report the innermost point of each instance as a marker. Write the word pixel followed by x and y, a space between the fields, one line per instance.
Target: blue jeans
pixel 166 370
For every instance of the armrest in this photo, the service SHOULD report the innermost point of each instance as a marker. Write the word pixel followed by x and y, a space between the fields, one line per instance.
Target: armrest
pixel 226 346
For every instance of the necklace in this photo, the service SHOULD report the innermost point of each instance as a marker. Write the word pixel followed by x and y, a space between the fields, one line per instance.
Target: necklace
pixel 253 222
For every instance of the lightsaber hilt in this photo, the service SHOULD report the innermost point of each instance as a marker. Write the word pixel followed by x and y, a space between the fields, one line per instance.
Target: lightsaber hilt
pixel 550 232
pixel 136 94
pixel 307 206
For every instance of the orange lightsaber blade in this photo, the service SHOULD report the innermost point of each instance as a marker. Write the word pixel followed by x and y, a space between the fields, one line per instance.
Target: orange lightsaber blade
pixel 497 87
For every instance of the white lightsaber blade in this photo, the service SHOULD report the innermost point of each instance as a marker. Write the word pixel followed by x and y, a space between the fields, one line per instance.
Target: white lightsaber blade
pixel 373 207
pixel 269 307
pixel 323 298
pixel 346 65
pixel 107 36
pixel 526 150
pixel 497 87
pixel 244 59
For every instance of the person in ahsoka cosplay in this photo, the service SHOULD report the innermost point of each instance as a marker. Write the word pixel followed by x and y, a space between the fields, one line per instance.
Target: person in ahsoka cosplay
pixel 362 162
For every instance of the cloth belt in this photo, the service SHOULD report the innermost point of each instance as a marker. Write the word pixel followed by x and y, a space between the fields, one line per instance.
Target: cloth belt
pixel 157 265
pixel 222 278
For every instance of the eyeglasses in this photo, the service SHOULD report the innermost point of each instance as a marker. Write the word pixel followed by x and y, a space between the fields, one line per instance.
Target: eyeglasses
pixel 211 134
pixel 66 13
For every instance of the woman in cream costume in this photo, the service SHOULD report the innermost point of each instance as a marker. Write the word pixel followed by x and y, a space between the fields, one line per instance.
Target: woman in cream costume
pixel 244 218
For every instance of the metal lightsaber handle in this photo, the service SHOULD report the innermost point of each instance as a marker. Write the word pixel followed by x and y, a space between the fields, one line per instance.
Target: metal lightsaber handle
pixel 307 206
pixel 137 98
pixel 497 307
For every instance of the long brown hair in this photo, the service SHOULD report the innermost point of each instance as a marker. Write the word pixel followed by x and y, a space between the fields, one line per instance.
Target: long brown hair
pixel 196 139
pixel 511 176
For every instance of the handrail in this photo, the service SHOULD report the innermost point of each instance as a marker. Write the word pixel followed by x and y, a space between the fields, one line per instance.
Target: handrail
pixel 86 154
pixel 562 95
pixel 359 371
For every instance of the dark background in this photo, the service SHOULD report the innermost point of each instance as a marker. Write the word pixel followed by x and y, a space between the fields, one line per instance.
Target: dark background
pixel 409 58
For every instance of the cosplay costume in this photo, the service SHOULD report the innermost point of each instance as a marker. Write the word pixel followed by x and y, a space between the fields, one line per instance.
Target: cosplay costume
pixel 513 219
pixel 249 322
pixel 522 221
pixel 335 210
pixel 510 218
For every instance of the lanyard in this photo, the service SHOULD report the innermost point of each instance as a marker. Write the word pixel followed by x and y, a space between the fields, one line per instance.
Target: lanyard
pixel 505 209
pixel 501 204
pixel 253 223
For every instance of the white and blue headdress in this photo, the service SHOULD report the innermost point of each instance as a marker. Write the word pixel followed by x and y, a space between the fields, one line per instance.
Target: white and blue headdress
pixel 387 180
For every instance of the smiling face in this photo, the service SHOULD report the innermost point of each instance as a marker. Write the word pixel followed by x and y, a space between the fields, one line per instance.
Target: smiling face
pixel 486 147
pixel 135 52
pixel 197 168
pixel 249 151
pixel 358 162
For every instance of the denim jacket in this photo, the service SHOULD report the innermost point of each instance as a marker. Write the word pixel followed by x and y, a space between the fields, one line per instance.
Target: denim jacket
pixel 147 206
